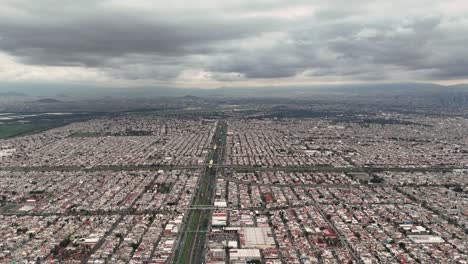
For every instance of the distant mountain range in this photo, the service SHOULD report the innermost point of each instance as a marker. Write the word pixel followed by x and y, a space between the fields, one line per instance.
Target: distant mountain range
pixel 87 91
pixel 12 94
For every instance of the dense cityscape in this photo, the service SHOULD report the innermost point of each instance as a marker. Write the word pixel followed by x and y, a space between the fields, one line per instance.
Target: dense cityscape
pixel 240 187
pixel 233 132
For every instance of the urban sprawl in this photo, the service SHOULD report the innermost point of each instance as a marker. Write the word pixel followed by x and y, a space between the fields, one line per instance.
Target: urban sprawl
pixel 151 189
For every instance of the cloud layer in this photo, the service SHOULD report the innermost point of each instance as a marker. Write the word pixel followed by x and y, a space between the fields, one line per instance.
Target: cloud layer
pixel 233 42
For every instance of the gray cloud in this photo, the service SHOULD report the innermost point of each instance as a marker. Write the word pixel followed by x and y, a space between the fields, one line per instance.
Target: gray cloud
pixel 91 42
pixel 240 40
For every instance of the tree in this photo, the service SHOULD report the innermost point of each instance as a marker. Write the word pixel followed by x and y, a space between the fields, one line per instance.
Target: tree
pixel 402 245
pixel 134 246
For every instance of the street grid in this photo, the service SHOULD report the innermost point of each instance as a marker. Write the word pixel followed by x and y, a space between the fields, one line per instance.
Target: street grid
pixel 191 244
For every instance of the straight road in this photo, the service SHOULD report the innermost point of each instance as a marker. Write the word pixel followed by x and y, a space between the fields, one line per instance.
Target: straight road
pixel 192 243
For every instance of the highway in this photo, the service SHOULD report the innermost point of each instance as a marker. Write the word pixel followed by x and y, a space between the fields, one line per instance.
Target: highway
pixel 191 245
pixel 238 168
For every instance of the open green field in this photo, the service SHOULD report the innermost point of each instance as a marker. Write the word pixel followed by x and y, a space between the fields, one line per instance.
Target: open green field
pixel 8 131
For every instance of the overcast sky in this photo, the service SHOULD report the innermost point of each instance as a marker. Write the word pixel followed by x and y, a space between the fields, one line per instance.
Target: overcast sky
pixel 213 43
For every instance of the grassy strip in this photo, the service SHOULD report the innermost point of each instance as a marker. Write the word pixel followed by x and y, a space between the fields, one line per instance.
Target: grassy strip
pixel 81 134
pixel 189 236
pixel 9 131
pixel 195 219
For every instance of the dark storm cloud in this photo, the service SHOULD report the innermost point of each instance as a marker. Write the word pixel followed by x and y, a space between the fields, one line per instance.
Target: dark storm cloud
pixel 235 40
pixel 421 45
pixel 358 50
pixel 92 42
